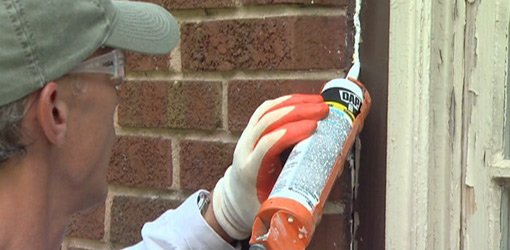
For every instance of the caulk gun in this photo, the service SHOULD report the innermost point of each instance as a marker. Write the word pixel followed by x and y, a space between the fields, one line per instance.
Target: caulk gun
pixel 287 219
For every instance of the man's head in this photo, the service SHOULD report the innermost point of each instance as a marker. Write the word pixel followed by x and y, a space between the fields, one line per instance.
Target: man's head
pixel 43 40
pixel 59 64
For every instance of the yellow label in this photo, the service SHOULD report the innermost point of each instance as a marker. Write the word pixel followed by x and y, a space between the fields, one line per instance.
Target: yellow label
pixel 342 108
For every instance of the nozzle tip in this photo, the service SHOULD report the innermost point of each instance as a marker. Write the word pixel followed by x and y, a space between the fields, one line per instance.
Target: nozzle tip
pixel 354 71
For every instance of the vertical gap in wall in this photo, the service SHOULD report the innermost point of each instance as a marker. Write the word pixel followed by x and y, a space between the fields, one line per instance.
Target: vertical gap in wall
pixel 224 105
pixel 107 217
pixel 355 163
pixel 354 180
pixel 370 201
pixel 176 166
pixel 175 60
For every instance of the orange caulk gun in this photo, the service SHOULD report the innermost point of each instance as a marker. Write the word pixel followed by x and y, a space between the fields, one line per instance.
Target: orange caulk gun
pixel 287 219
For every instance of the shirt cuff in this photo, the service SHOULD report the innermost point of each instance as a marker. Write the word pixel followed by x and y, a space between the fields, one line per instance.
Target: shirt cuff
pixel 185 226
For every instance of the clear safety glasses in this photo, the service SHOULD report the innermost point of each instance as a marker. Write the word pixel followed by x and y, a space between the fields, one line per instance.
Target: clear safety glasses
pixel 111 63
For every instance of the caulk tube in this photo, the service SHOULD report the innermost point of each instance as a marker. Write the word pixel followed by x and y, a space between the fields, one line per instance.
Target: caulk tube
pixel 287 219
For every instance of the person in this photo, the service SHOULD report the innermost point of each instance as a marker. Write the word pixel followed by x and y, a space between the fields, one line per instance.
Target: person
pixel 61 63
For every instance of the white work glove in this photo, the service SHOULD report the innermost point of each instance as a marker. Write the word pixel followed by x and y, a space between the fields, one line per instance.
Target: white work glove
pixel 275 126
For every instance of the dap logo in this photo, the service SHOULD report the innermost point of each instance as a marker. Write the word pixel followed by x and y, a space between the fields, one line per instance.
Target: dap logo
pixel 108 63
pixel 353 102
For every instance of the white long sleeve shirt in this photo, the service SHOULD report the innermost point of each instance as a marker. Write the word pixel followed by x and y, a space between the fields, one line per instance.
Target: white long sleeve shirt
pixel 182 228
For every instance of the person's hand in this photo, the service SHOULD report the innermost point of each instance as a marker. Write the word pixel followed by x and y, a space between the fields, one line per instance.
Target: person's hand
pixel 275 126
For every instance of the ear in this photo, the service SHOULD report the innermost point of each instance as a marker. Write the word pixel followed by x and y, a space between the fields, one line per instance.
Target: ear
pixel 52 113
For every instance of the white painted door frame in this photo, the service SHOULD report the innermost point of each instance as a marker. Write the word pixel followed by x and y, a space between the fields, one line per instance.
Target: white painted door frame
pixel 448 74
pixel 423 192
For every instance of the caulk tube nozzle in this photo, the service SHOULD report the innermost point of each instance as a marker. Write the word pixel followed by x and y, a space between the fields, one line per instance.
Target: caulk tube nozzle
pixel 354 71
pixel 345 91
pixel 345 82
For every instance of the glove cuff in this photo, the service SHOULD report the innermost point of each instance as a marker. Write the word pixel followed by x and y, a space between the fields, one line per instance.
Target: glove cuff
pixel 225 212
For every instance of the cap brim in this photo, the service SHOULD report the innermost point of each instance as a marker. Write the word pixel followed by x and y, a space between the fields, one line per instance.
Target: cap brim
pixel 143 27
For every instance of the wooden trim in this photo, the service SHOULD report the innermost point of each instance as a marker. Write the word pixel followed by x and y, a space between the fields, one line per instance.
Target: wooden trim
pixel 486 65
pixel 424 124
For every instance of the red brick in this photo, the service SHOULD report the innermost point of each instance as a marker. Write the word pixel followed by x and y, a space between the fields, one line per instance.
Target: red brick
pixel 88 224
pixel 276 43
pixel 333 233
pixel 129 214
pixel 193 4
pixel 138 62
pixel 143 104
pixel 304 2
pixel 203 163
pixel 195 105
pixel 245 96
pixel 159 104
pixel 141 162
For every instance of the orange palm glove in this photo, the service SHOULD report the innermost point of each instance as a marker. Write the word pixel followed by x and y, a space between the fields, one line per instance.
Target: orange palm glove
pixel 275 126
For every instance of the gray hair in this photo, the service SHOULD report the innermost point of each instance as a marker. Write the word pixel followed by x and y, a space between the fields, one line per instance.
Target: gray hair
pixel 13 113
pixel 10 129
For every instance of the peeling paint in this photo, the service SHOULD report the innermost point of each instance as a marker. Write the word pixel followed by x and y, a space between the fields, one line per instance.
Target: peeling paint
pixel 486 55
pixel 354 158
pixel 451 117
pixel 470 201
pixel 469 143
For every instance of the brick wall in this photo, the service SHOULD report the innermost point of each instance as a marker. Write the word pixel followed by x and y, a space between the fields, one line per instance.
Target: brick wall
pixel 181 114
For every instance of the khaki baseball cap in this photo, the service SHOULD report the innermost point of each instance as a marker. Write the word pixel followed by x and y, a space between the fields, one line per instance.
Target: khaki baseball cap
pixel 41 41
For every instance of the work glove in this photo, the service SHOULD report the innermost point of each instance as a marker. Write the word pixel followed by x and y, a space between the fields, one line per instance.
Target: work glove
pixel 275 126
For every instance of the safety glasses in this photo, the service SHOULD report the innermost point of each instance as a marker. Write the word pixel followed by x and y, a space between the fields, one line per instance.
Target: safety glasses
pixel 111 63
